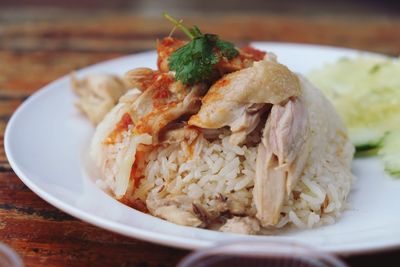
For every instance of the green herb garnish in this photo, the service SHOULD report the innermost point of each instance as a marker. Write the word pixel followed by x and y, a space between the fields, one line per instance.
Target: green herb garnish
pixel 195 61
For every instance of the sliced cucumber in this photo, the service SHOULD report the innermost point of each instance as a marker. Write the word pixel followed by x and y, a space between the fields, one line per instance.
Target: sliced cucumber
pixel 366 139
pixel 367 152
pixel 390 152
pixel 366 94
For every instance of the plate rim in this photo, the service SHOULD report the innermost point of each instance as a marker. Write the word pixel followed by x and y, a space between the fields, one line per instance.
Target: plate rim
pixel 148 235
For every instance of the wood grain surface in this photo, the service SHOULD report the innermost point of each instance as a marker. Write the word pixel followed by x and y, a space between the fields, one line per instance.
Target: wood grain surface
pixel 40 45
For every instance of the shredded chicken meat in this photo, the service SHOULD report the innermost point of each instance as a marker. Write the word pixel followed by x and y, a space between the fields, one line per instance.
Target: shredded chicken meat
pixel 280 159
pixel 237 100
pixel 98 94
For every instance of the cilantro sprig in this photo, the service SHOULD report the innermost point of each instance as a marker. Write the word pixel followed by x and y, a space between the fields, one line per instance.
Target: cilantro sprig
pixel 195 62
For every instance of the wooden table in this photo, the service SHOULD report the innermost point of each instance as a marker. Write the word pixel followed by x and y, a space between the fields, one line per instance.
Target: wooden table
pixel 37 47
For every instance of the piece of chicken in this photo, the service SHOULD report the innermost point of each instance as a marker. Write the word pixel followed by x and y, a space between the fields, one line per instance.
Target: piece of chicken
pixel 112 125
pixel 160 92
pixel 165 48
pixel 134 125
pixel 98 94
pixel 161 104
pixel 281 157
pixel 246 123
pixel 181 209
pixel 175 133
pixel 178 210
pixel 237 99
pixel 141 78
pixel 295 142
pixel 247 56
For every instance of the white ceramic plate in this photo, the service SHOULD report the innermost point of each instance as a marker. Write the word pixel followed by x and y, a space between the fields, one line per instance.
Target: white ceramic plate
pixel 46 142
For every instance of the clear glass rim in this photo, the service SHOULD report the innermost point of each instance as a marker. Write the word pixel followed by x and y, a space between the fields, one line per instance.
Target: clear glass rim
pixel 8 254
pixel 264 249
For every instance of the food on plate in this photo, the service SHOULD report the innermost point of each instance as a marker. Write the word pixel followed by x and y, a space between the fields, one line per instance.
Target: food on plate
pixel 224 138
pixel 389 152
pixel 98 94
pixel 366 92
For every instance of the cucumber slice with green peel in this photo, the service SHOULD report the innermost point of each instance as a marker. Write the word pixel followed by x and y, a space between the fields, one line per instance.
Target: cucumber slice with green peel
pixel 390 152
pixel 367 141
pixel 365 138
pixel 367 152
pixel 366 93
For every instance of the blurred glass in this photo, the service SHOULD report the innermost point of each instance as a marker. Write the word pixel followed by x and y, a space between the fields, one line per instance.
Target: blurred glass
pixel 261 253
pixel 9 258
